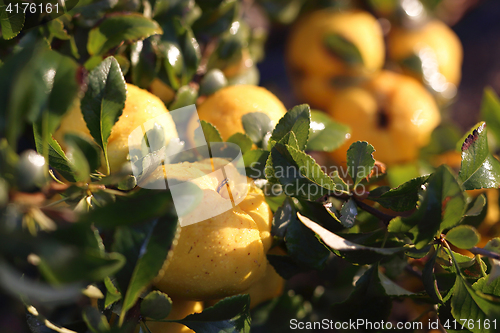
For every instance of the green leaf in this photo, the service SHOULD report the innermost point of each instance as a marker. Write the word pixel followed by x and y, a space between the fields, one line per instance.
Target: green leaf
pixel 96 322
pixel 125 210
pixel 186 95
pixel 463 236
pixel 57 158
pixel 78 161
pixel 490 112
pixel 300 175
pixel 17 284
pixel 242 140
pixel 343 48
pixel 391 288
pixel 400 199
pixel 429 278
pixel 325 134
pixel 360 160
pixel 156 305
pixel 255 163
pixel 89 149
pixel 368 300
pixel 348 213
pixel 112 294
pixel 282 217
pixel 104 101
pixel 119 28
pixel 296 120
pixel 154 252
pixel 229 315
pixel 144 62
pixel 11 23
pixel 301 244
pixel 256 126
pixel 479 168
pixel 212 82
pixel 442 208
pixel 44 90
pixel 56 28
pixel 468 303
pixel 77 265
pixel 340 244
pixel 210 132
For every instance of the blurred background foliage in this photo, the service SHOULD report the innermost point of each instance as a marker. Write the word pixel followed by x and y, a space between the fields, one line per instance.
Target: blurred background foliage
pixel 182 51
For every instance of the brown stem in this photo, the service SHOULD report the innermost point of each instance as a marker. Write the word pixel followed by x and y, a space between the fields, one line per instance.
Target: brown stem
pixel 483 252
pixel 386 218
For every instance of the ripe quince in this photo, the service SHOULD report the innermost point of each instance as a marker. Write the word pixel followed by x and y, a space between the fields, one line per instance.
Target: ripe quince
pixel 162 90
pixel 438 52
pixel 393 112
pixel 224 108
pixel 223 255
pixel 140 107
pixel 317 72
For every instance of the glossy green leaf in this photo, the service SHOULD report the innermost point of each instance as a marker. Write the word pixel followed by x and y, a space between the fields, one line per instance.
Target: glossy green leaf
pixel 95 320
pixel 338 243
pixel 242 140
pixel 343 48
pixel 256 125
pixel 325 134
pixel 468 303
pixel 479 168
pixel 301 243
pixel 56 28
pixel 119 28
pixel 212 81
pixel 17 284
pixel 228 315
pixel 392 288
pixel 296 120
pixel 57 158
pixel 282 217
pixel 78 160
pixel 186 95
pixel 104 101
pixel 348 213
pixel 368 300
pixel 285 266
pixel 89 149
pixel 45 89
pixel 154 252
pixel 400 199
pixel 300 175
pixel 360 160
pixel 442 208
pixel 429 278
pixel 77 265
pixel 11 22
pixel 206 133
pixel 490 112
pixel 144 62
pixel 125 210
pixel 255 163
pixel 156 305
pixel 463 236
pixel 112 294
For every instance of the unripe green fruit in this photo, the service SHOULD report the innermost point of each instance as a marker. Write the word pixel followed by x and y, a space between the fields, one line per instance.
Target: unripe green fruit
pixel 212 81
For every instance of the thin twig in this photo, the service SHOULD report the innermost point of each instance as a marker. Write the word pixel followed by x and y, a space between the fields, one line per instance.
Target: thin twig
pixel 386 218
pixel 483 252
